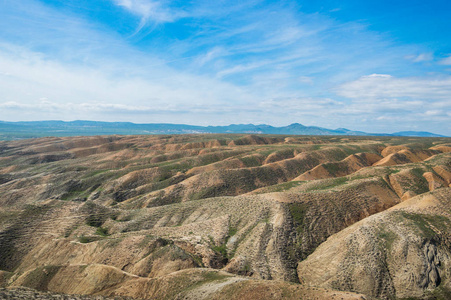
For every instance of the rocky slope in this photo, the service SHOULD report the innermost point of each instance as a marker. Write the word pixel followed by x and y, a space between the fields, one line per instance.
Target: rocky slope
pixel 226 216
pixel 404 251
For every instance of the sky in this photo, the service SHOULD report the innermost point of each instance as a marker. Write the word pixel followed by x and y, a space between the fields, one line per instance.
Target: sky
pixel 376 66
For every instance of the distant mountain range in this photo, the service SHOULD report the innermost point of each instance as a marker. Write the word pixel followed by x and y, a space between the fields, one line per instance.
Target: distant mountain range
pixel 20 130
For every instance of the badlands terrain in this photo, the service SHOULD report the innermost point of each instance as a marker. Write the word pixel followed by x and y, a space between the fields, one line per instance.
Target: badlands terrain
pixel 225 217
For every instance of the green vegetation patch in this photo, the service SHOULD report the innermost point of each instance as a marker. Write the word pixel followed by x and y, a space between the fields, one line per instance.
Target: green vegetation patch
pixel 335 168
pixel 4 278
pixel 96 214
pixel 170 252
pixel 7 216
pixel 298 212
pixel 109 243
pixel 251 161
pixel 213 276
pixel 221 249
pixel 387 237
pixel 87 239
pixel 74 194
pixel 440 293
pixel 281 187
pixel 181 285
pixel 31 211
pixel 336 153
pixel 94 221
pixel 95 173
pixel 329 184
pixel 39 278
pixel 420 185
pixel 232 231
pixel 211 191
pixel 316 147
pixel 426 223
pixel 210 158
pixel 392 170
pixel 102 231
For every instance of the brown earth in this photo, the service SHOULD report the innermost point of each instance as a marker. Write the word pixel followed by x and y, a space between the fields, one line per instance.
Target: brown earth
pixel 226 216
pixel 402 252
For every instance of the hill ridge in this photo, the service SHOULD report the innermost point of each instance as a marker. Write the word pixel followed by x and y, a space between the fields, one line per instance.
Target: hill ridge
pixel 34 129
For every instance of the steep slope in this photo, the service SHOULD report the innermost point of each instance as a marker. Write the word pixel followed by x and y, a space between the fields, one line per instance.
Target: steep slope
pixel 403 252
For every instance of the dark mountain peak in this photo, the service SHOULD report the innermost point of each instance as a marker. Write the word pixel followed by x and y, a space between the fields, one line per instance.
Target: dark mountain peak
pixel 296 125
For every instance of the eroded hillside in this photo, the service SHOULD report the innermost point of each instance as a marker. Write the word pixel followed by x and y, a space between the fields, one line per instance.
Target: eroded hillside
pixel 227 216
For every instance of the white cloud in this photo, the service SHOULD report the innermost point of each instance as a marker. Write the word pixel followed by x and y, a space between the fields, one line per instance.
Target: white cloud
pixel 213 54
pixel 13 105
pixel 287 35
pixel 305 79
pixel 393 104
pixel 39 84
pixel 240 69
pixel 377 76
pixel 380 86
pixel 303 105
pixel 446 61
pixel 150 10
pixel 421 57
pixel 435 113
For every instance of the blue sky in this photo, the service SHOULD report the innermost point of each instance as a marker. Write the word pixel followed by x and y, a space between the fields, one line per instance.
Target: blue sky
pixel 376 66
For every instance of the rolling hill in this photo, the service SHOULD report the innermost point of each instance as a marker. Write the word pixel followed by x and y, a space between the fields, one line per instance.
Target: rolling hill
pixel 226 216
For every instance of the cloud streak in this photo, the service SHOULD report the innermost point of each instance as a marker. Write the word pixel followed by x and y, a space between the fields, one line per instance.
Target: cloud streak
pixel 446 61
pixel 382 86
pixel 150 10
pixel 422 57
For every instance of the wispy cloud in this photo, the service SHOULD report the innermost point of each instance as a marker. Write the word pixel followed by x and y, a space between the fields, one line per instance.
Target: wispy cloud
pixel 214 53
pixel 446 61
pixel 382 86
pixel 28 77
pixel 151 10
pixel 411 103
pixel 305 105
pixel 421 57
